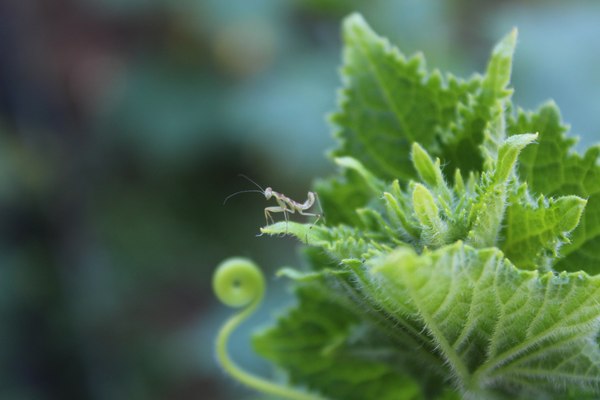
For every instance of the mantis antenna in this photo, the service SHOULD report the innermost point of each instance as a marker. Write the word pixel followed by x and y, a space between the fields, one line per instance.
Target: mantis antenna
pixel 248 179
pixel 241 191
pixel 261 191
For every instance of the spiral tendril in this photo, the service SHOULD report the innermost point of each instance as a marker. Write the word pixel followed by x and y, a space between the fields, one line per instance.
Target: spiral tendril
pixel 238 282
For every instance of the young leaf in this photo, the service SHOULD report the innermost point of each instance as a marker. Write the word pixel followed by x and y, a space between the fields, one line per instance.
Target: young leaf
pixel 534 231
pixel 488 212
pixel 433 228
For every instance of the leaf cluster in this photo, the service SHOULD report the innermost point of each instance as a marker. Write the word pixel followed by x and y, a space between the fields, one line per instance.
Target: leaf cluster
pixel 459 258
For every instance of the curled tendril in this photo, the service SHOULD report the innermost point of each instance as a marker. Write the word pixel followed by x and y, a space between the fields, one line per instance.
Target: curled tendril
pixel 238 282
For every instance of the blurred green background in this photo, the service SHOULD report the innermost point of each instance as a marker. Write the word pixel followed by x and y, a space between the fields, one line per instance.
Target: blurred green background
pixel 123 126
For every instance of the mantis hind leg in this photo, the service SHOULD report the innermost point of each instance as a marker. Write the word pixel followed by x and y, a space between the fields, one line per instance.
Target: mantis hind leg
pixel 319 216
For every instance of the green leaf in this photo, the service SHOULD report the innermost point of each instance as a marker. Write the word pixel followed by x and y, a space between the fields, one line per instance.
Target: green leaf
pixel 508 153
pixel 552 168
pixel 434 228
pixel 340 196
pixel 300 276
pixel 429 171
pixel 488 211
pixel 308 234
pixel 322 344
pixel 463 137
pixel 341 242
pixel 371 180
pixel 501 330
pixel 388 102
pixel 534 231
pixel 499 69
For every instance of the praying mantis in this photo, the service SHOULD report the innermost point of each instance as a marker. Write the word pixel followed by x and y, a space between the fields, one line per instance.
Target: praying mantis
pixel 284 205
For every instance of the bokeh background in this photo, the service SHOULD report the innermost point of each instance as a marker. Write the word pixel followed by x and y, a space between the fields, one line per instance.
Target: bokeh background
pixel 123 126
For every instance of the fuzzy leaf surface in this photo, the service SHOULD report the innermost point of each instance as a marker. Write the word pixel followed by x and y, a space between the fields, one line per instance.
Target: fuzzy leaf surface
pixel 535 231
pixel 320 344
pixel 496 326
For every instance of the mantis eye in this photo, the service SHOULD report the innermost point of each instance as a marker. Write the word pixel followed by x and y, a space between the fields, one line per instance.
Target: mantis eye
pixel 268 193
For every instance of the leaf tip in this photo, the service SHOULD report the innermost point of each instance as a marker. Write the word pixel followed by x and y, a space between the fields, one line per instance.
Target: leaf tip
pixel 353 24
pixel 570 208
pixel 506 47
pixel 428 170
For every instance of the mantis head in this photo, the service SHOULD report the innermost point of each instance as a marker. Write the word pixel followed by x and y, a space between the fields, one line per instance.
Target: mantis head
pixel 268 193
